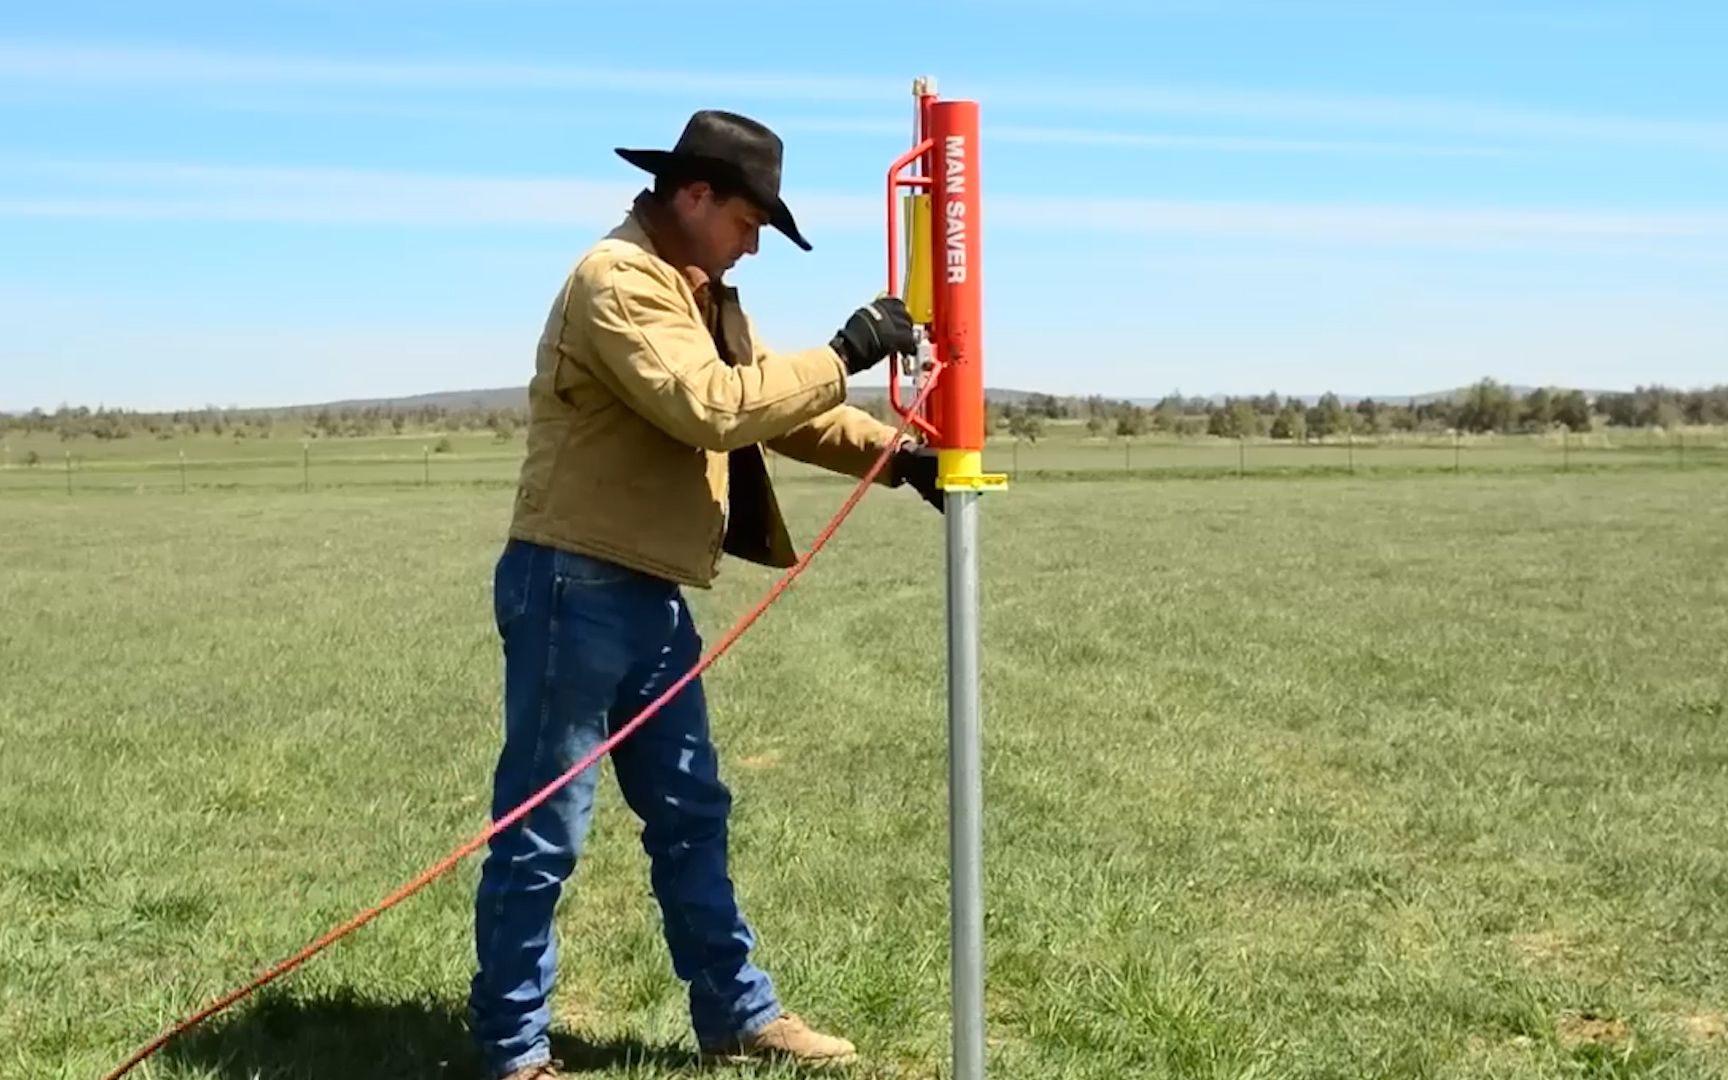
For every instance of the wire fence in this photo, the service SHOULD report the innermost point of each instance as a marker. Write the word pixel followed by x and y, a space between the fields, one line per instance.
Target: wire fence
pixel 1452 452
pixel 44 466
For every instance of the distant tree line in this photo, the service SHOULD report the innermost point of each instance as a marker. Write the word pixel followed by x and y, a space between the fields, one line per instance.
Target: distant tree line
pixel 77 422
pixel 1487 406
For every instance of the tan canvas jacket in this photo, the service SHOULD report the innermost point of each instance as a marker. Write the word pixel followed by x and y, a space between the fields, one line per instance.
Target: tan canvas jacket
pixel 650 397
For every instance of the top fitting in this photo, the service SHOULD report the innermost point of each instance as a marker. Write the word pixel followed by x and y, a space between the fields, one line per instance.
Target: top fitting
pixel 923 85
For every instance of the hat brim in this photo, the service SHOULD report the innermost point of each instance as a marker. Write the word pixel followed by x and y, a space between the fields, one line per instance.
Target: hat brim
pixel 660 161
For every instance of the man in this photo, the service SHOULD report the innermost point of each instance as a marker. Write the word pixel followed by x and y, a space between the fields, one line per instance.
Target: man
pixel 650 399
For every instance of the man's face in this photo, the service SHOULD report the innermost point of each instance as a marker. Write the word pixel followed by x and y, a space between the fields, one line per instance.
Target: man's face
pixel 719 232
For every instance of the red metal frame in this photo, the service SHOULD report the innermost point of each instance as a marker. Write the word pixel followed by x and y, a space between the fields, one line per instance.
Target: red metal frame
pixel 946 151
pixel 895 183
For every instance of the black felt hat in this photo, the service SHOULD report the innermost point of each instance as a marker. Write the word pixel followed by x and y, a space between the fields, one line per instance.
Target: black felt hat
pixel 724 146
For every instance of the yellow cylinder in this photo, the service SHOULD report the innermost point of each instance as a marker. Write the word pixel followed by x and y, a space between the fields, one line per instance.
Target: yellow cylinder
pixel 919 292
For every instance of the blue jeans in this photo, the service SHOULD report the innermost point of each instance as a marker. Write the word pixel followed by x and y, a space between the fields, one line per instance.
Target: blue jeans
pixel 587 645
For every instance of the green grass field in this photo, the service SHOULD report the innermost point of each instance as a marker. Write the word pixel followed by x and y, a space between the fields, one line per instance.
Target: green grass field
pixel 1324 779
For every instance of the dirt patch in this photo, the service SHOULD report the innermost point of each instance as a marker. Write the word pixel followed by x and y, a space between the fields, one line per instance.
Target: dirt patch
pixel 1587 1029
pixel 1704 1027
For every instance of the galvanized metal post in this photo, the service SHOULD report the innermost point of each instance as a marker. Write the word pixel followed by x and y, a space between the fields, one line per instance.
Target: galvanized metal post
pixel 945 228
pixel 965 787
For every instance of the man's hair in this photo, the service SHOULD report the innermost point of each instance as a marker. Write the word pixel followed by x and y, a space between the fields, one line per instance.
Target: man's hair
pixel 667 184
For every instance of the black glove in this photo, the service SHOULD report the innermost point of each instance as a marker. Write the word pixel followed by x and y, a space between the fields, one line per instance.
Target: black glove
pixel 874 331
pixel 916 465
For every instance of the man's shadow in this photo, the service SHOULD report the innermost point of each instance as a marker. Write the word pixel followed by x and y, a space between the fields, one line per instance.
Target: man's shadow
pixel 278 1037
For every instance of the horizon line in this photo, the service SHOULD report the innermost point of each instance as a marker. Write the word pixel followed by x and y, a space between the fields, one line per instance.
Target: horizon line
pixel 873 391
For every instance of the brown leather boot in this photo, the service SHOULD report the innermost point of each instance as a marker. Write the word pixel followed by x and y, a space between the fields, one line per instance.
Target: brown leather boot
pixel 786 1038
pixel 546 1070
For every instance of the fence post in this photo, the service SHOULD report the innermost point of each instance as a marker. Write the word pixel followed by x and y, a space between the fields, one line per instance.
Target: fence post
pixel 425 466
pixel 305 466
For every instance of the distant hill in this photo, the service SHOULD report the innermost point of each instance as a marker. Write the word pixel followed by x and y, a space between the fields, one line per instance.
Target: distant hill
pixel 501 397
pixel 509 397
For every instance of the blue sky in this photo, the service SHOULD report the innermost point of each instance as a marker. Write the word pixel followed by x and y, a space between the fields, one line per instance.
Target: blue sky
pixel 297 200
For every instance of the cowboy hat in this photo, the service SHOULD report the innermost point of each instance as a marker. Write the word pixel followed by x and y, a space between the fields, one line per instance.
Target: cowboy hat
pixel 734 149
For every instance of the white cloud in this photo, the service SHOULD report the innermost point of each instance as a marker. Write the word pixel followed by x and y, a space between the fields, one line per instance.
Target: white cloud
pixel 1081 136
pixel 1396 113
pixel 154 190
pixel 151 190
pixel 41 64
pixel 292 102
pixel 1346 222
pixel 130 64
pixel 1575 16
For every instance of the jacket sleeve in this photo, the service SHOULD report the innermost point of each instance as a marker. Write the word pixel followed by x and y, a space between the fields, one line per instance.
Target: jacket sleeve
pixel 845 439
pixel 665 365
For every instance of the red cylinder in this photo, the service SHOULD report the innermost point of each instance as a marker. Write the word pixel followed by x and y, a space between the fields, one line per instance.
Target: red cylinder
pixel 957 403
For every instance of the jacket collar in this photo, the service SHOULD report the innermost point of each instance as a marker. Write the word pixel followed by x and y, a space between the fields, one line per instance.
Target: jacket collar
pixel 650 226
pixel 661 237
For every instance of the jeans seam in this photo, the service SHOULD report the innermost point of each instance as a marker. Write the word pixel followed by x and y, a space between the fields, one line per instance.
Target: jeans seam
pixel 762 1014
pixel 546 696
pixel 689 927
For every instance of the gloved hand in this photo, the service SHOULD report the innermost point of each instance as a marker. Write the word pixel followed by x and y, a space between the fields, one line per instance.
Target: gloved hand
pixel 916 465
pixel 873 332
